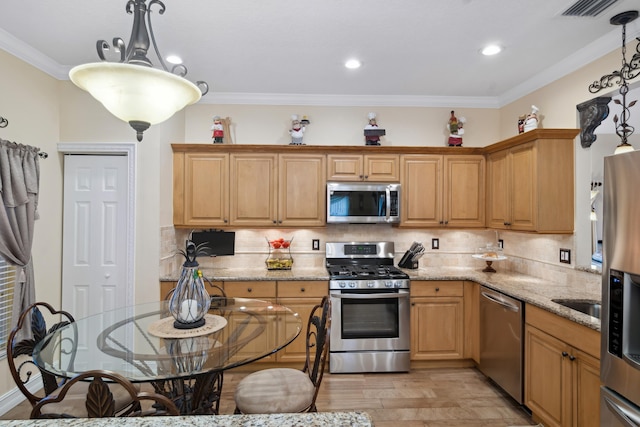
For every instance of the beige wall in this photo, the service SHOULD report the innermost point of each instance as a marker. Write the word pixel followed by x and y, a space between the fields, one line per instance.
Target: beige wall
pixel 29 100
pixel 405 126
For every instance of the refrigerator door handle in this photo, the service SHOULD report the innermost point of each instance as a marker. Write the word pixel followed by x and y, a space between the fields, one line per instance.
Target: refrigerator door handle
pixel 622 414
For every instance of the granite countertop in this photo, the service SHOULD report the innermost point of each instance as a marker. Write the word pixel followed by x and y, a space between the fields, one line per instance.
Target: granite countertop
pixel 530 289
pixel 337 419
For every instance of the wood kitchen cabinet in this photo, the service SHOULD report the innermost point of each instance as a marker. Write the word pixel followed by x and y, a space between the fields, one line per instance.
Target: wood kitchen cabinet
pixel 442 190
pixel 530 186
pixel 263 290
pixel 301 297
pixel 282 190
pixel 562 370
pixel 367 167
pixel 201 189
pixel 437 320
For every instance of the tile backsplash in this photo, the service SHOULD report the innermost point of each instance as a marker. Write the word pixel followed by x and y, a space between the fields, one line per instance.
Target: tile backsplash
pixel 531 254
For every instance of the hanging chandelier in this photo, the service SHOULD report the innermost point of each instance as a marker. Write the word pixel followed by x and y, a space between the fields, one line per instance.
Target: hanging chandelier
pixel 629 70
pixel 131 89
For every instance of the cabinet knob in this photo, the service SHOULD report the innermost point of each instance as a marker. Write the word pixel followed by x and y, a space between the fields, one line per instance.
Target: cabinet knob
pixel 249 290
pixel 302 289
pixel 565 354
pixel 437 289
pixel 441 222
pixel 572 358
pixel 446 222
pixel 366 177
pixel 225 220
pixel 275 222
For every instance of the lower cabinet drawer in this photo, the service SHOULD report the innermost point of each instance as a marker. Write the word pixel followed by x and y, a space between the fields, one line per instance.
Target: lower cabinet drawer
pixel 302 289
pixel 251 289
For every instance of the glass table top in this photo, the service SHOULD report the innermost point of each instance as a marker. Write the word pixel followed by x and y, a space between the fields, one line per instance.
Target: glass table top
pixel 126 341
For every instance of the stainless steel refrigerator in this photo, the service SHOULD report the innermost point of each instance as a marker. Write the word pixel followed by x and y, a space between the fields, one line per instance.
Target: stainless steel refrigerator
pixel 620 362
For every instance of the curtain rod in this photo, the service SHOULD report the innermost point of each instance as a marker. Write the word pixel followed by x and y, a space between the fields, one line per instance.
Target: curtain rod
pixel 4 123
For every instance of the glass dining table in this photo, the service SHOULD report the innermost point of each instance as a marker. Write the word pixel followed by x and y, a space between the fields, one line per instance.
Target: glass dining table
pixel 140 343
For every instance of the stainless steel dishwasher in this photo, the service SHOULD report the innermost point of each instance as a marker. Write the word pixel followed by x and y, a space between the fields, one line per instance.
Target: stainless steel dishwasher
pixel 501 343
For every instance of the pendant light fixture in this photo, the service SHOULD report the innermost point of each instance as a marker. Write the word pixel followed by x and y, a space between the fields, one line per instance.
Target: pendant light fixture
pixel 131 89
pixel 629 70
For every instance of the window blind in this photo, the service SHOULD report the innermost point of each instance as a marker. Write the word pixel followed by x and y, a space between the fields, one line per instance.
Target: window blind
pixel 7 281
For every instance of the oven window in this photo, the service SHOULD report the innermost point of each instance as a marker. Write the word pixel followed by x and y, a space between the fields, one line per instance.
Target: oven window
pixel 369 318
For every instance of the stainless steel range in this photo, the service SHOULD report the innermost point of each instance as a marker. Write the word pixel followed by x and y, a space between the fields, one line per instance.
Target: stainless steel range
pixel 370 309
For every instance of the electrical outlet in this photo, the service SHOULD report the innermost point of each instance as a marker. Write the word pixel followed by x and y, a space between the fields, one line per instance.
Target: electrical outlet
pixel 315 244
pixel 501 244
pixel 435 243
pixel 565 256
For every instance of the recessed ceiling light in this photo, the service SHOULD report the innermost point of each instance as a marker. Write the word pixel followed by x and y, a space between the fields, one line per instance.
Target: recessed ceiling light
pixel 353 64
pixel 492 49
pixel 174 59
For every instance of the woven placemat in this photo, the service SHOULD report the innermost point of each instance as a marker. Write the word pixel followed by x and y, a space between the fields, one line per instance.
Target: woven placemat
pixel 163 328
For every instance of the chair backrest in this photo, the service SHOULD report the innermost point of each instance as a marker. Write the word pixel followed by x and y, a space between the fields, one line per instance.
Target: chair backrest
pixel 100 402
pixel 318 343
pixel 28 332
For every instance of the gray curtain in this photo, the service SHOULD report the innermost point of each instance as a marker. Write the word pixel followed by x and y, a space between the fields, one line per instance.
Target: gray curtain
pixel 19 183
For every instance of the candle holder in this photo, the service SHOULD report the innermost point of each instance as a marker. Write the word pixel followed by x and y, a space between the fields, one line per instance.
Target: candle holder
pixel 190 301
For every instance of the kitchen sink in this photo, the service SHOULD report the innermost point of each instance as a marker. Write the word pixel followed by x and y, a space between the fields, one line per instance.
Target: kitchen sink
pixel 590 307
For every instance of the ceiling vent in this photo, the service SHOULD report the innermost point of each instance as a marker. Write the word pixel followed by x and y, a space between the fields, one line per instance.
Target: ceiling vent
pixel 588 7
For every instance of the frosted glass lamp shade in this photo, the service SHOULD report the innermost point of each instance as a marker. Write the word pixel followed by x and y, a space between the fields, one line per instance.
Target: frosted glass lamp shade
pixel 135 93
pixel 623 148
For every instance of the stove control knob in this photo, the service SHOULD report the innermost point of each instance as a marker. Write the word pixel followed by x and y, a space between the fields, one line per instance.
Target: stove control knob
pixel 388 284
pixel 370 284
pixel 341 284
pixel 352 284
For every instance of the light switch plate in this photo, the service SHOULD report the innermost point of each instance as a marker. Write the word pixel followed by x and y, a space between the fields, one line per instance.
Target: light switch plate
pixel 315 244
pixel 435 243
pixel 565 256
pixel 501 243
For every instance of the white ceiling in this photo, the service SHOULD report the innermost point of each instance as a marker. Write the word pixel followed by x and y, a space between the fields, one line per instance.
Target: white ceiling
pixel 414 52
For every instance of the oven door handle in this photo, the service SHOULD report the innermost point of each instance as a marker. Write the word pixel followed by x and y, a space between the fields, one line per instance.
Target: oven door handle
pixel 371 296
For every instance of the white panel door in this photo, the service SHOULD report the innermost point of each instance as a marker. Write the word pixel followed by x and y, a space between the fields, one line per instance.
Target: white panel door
pixel 94 269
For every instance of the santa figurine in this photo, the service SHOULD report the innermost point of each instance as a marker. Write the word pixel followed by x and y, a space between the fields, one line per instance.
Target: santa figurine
pixel 456 130
pixel 297 131
pixel 218 130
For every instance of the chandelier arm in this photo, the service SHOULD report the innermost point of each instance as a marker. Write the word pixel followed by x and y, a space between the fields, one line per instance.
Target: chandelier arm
pixel 203 86
pixel 152 36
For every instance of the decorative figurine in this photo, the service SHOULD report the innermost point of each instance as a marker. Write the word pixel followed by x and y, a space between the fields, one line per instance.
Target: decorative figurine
pixel 297 131
pixel 531 122
pixel 521 123
pixel 218 130
pixel 456 130
pixel 371 131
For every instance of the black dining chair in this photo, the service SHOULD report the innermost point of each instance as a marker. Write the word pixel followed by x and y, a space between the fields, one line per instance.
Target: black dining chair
pixel 98 401
pixel 30 330
pixel 33 327
pixel 287 390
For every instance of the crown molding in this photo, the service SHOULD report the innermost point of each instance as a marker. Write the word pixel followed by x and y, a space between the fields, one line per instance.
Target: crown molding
pixel 31 56
pixel 336 100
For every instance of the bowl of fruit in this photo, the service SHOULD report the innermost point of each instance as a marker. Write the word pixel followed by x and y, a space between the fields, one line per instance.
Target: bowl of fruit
pixel 279 254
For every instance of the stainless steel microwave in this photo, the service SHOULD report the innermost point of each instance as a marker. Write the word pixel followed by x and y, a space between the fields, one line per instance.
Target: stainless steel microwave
pixel 363 202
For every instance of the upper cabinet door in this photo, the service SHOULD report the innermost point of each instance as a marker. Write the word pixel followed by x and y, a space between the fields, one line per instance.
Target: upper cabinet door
pixel 498 189
pixel 201 189
pixel 464 201
pixel 382 168
pixel 345 167
pixel 254 189
pixel 302 190
pixel 421 190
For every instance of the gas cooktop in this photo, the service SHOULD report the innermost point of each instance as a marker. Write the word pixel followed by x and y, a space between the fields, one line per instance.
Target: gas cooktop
pixel 365 271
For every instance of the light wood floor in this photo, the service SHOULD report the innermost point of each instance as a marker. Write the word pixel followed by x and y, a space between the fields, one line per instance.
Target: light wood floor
pixel 422 398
